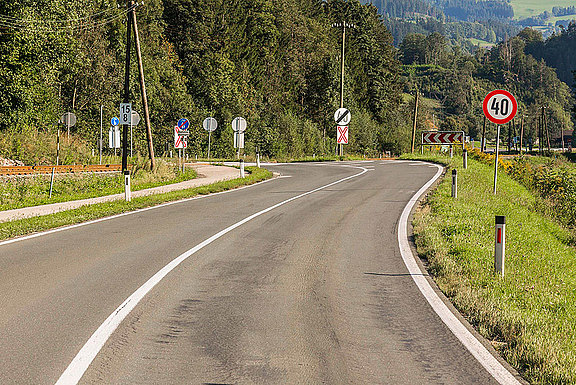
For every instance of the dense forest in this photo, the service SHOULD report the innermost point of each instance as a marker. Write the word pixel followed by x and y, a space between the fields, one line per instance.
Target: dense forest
pixel 275 62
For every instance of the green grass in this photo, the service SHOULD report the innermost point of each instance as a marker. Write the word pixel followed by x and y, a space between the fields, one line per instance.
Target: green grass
pixel 528 8
pixel 30 225
pixel 33 191
pixel 481 43
pixel 530 314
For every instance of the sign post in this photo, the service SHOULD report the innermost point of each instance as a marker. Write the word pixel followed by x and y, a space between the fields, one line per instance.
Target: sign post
pixel 499 107
pixel 342 118
pixel 181 134
pixel 239 126
pixel 209 124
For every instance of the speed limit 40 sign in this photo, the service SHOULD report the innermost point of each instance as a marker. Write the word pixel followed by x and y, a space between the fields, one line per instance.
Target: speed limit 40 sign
pixel 500 106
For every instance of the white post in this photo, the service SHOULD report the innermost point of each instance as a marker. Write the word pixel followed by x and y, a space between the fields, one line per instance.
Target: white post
pixel 500 245
pixel 241 168
pixel 465 158
pixel 451 151
pixel 127 189
pixel 454 183
pixel 131 137
pixel 209 140
pixel 258 160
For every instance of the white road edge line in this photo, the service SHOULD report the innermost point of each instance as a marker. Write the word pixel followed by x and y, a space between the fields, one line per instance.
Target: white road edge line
pixel 475 347
pixel 92 347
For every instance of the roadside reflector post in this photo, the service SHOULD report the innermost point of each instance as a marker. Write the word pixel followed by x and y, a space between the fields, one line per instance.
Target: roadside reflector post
pixel 241 168
pixel 454 183
pixel 451 151
pixel 500 244
pixel 127 190
pixel 465 158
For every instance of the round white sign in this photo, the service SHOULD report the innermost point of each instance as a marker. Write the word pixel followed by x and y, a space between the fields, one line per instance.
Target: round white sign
pixel 342 116
pixel 210 124
pixel 239 124
pixel 68 119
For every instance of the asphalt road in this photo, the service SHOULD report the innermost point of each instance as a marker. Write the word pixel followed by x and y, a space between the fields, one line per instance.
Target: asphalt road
pixel 311 292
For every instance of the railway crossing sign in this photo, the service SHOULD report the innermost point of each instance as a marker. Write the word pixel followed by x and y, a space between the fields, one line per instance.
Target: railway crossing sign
pixel 342 135
pixel 342 116
pixel 442 137
pixel 500 106
pixel 180 141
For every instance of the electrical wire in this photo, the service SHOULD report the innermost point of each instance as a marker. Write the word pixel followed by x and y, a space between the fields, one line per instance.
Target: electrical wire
pixel 36 25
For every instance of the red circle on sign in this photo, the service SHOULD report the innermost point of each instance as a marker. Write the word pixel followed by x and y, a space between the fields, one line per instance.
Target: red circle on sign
pixel 487 110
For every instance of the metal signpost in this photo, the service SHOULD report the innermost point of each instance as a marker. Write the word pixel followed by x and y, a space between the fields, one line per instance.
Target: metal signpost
pixel 181 134
pixel 499 107
pixel 342 117
pixel 209 124
pixel 239 126
pixel 135 119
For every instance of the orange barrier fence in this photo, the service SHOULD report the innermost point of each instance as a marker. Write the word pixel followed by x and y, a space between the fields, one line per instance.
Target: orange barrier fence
pixel 61 169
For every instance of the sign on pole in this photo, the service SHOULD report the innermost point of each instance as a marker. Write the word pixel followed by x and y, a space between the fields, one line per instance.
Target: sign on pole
pixel 114 122
pixel 239 124
pixel 135 118
pixel 210 124
pixel 342 135
pixel 68 119
pixel 180 140
pixel 126 114
pixel 342 116
pixel 114 137
pixel 500 106
pixel 442 137
pixel 238 140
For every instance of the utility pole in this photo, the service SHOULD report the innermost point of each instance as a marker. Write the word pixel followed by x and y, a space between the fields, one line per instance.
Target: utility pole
pixel 415 120
pixel 130 8
pixel 144 96
pixel 342 25
pixel 545 121
pixel 521 133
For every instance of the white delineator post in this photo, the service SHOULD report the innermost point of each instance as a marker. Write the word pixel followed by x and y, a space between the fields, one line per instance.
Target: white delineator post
pixel 454 183
pixel 241 168
pixel 258 160
pixel 465 158
pixel 500 244
pixel 127 189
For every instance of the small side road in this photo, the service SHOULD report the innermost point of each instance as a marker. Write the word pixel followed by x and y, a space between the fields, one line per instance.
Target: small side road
pixel 207 174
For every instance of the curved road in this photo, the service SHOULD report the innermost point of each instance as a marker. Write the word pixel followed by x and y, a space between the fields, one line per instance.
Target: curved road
pixel 313 291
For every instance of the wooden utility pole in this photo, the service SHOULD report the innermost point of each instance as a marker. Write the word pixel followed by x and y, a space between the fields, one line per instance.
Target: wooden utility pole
pixel 546 128
pixel 144 96
pixel 483 144
pixel 415 119
pixel 521 133
pixel 130 7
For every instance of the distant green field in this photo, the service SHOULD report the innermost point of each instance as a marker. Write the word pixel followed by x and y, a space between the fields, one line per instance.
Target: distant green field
pixel 528 8
pixel 481 43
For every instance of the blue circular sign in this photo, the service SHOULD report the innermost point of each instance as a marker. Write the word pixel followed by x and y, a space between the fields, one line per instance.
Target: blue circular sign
pixel 183 124
pixel 115 121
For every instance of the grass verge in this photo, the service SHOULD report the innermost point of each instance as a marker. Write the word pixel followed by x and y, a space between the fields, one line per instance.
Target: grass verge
pixel 101 210
pixel 30 191
pixel 530 314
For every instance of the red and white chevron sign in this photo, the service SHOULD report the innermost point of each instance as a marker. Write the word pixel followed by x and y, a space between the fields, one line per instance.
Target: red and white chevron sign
pixel 443 137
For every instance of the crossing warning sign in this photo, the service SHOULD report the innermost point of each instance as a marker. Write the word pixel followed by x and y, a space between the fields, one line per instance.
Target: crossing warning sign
pixel 342 135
